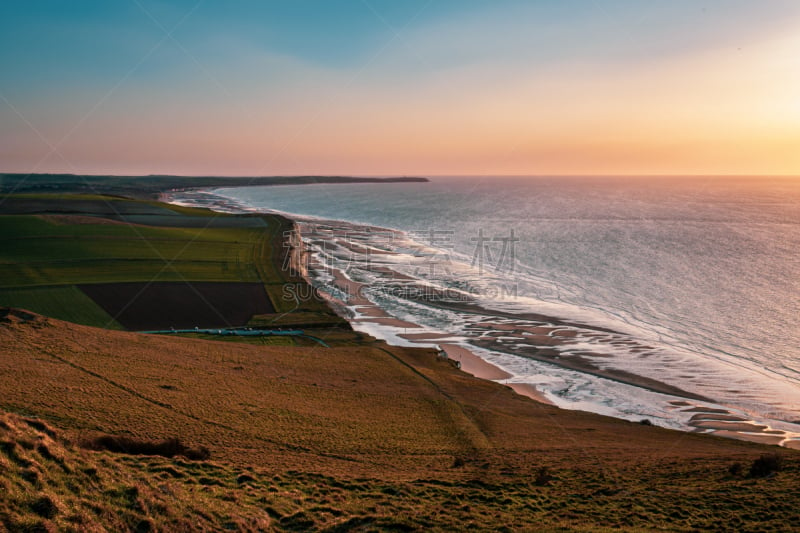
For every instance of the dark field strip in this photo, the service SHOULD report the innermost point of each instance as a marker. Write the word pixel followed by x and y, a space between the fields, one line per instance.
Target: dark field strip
pixel 143 306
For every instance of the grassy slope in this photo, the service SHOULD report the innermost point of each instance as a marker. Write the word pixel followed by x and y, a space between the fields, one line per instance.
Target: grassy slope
pixel 329 438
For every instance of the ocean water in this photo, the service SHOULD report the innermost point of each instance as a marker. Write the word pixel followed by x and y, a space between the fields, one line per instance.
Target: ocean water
pixel 694 282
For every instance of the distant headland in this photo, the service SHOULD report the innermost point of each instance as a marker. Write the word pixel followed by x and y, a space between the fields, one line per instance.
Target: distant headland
pixel 152 185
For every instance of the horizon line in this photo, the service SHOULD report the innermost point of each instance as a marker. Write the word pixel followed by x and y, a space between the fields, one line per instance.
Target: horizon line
pixel 421 175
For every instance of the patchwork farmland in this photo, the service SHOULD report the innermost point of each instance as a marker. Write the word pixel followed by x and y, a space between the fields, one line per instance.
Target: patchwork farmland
pixel 137 265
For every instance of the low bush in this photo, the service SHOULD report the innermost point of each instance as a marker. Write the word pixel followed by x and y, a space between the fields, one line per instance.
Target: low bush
pixel 766 465
pixel 128 445
pixel 735 469
pixel 543 477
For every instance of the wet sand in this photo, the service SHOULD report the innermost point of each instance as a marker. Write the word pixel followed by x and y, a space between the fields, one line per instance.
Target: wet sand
pixel 526 389
pixel 387 321
pixel 760 438
pixel 582 363
pixel 727 424
pixel 426 336
pixel 473 364
pixel 352 289
pixel 371 311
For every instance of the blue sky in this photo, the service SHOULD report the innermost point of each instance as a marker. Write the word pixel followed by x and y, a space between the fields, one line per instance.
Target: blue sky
pixel 374 86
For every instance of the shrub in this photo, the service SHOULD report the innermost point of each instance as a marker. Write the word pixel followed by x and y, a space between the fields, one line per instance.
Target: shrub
pixel 735 469
pixel 543 477
pixel 128 445
pixel 201 453
pixel 766 465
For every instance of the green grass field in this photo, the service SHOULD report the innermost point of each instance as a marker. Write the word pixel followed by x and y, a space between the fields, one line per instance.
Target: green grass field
pixel 61 301
pixel 51 243
pixel 53 250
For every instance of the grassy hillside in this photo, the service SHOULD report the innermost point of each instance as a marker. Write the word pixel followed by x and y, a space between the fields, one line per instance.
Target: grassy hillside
pixel 330 439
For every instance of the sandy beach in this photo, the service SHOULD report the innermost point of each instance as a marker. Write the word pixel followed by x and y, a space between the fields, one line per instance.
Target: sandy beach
pixel 472 364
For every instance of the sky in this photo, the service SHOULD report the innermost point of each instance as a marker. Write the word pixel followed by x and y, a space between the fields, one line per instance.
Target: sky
pixel 400 87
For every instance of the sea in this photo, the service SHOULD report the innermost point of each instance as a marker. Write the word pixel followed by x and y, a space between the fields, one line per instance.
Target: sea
pixel 691 282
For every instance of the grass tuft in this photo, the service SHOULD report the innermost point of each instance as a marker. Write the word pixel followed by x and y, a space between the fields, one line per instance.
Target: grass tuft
pixel 44 506
pixel 38 425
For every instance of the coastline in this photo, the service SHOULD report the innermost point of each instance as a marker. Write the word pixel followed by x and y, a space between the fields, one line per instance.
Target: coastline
pixel 721 422
pixel 469 362
pixel 348 299
pixel 357 434
pixel 367 311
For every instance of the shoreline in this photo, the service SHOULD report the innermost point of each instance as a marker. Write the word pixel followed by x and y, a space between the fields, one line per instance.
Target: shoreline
pixel 468 361
pixel 361 312
pixel 710 420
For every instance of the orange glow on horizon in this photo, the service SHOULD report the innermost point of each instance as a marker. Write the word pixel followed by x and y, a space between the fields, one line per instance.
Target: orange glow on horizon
pixel 730 109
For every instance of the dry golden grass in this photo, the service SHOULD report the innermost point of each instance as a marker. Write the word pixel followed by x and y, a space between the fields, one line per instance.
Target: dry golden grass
pixel 49 485
pixel 366 438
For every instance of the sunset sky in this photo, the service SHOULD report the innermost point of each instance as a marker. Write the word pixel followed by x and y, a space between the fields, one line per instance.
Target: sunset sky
pixel 401 87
